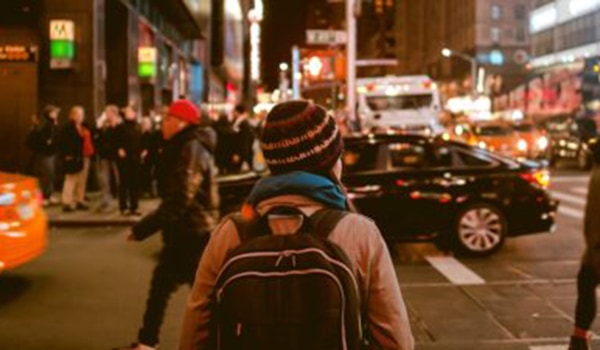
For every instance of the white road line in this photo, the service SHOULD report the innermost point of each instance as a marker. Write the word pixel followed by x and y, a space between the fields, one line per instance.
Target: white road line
pixel 549 347
pixel 454 271
pixel 570 212
pixel 580 200
pixel 580 190
pixel 564 179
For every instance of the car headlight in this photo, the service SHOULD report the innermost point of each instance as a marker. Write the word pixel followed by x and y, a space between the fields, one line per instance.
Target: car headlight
pixel 522 145
pixel 482 145
pixel 542 143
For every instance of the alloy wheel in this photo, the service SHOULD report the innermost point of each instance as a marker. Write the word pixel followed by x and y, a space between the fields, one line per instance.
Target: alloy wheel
pixel 481 230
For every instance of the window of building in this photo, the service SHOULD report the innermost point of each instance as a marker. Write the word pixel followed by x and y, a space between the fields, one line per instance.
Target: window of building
pixel 520 34
pixel 520 12
pixel 496 11
pixel 495 34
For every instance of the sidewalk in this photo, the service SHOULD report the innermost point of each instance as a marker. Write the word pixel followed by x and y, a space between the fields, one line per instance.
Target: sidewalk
pixel 94 217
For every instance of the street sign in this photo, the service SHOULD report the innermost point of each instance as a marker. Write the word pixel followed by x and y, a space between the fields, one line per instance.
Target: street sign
pixel 326 37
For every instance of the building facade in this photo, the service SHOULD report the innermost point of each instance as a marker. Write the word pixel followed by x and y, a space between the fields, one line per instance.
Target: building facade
pixel 494 32
pixel 564 31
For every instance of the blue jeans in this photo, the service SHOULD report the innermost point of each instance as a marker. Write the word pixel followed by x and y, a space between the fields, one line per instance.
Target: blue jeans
pixel 108 174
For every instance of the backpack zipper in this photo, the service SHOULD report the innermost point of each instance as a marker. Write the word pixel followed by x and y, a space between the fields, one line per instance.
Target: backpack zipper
pixel 287 274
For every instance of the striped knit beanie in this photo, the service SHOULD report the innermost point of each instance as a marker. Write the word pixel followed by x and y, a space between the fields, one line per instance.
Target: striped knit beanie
pixel 300 136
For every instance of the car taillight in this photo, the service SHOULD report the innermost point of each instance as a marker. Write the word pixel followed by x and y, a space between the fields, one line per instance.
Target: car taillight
pixel 540 178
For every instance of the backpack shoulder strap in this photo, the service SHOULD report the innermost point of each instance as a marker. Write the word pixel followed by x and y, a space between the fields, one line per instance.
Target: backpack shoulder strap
pixel 326 220
pixel 246 229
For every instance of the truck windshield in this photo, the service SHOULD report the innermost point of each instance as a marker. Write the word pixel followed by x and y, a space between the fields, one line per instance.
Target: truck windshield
pixel 382 103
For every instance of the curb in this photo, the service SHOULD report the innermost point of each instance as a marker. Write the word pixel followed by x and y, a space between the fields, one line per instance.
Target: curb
pixel 81 223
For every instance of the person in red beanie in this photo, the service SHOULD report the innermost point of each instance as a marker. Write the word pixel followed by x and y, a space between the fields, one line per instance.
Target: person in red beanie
pixel 187 214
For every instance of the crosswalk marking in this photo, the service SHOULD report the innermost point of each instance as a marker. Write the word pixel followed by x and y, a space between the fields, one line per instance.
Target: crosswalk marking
pixel 567 179
pixel 454 271
pixel 580 190
pixel 548 347
pixel 570 212
pixel 569 198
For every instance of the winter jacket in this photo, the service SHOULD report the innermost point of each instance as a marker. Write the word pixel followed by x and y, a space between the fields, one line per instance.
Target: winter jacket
pixel 106 142
pixel 43 138
pixel 383 308
pixel 129 138
pixel 71 148
pixel 592 223
pixel 189 192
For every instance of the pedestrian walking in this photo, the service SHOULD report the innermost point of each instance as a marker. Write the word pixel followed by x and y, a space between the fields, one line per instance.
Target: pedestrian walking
pixel 130 152
pixel 43 142
pixel 149 156
pixel 71 144
pixel 589 272
pixel 106 143
pixel 245 134
pixel 88 153
pixel 297 232
pixel 186 215
pixel 225 145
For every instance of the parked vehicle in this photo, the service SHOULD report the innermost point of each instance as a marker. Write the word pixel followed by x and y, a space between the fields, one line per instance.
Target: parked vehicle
pixel 23 223
pixel 421 189
pixel 570 139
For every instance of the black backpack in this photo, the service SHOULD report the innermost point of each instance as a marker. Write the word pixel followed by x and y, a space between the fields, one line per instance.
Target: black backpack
pixel 287 292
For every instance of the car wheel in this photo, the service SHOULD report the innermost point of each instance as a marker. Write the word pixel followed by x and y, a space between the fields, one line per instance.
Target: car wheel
pixel 584 161
pixel 480 230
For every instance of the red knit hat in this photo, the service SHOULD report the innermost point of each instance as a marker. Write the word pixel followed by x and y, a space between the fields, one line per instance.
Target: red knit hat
pixel 185 110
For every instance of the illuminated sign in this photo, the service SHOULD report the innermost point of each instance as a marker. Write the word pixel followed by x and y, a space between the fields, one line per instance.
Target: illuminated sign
pixel 147 62
pixel 543 18
pixel 18 53
pixel 581 7
pixel 62 43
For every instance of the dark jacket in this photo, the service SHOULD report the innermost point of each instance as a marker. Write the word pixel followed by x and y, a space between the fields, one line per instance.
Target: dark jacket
pixel 190 199
pixel 129 138
pixel 592 222
pixel 70 146
pixel 43 138
pixel 106 142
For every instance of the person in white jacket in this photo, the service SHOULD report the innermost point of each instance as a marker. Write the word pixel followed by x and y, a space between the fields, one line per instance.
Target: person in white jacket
pixel 302 147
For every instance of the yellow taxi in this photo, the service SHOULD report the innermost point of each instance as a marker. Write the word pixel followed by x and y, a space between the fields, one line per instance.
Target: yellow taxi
pixel 23 222
pixel 496 137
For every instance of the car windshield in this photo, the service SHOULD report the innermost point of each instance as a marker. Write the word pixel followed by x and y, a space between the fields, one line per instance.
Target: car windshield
pixel 492 131
pixel 383 103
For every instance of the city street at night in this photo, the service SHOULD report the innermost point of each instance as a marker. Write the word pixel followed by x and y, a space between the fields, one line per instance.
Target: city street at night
pixel 88 290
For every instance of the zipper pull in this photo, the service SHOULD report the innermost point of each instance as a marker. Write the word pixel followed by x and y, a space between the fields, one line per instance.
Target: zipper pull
pixel 294 260
pixel 279 259
pixel 238 330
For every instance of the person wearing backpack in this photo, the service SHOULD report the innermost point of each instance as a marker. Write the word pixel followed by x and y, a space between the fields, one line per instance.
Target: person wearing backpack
pixel 187 213
pixel 297 268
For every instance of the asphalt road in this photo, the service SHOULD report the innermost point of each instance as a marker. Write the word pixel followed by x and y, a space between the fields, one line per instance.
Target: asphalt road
pixel 88 291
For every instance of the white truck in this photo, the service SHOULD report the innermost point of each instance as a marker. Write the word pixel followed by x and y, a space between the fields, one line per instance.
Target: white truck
pixel 399 104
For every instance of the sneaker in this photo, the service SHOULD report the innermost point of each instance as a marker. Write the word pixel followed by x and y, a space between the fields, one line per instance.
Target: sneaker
pixel 82 206
pixel 54 201
pixel 578 343
pixel 135 213
pixel 67 209
pixel 136 346
pixel 124 212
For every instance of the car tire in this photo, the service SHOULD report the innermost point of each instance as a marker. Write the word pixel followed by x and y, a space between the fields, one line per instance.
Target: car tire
pixel 480 230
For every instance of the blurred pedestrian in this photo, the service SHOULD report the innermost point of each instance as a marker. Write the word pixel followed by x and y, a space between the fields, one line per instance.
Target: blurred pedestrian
pixel 149 157
pixel 245 134
pixel 106 143
pixel 225 145
pixel 129 152
pixel 88 153
pixel 302 147
pixel 71 142
pixel 43 142
pixel 589 272
pixel 186 215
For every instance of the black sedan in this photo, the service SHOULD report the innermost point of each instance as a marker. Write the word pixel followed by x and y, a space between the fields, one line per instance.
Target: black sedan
pixel 421 189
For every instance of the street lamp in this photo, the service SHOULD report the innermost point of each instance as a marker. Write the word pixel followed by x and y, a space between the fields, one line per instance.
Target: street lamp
pixel 446 52
pixel 283 67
